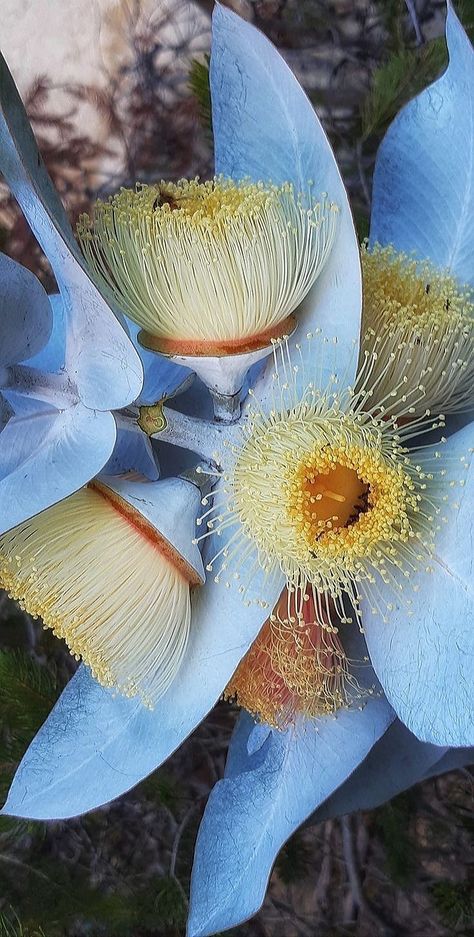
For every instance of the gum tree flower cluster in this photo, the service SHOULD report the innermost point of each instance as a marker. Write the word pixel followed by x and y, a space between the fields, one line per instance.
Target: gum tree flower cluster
pixel 293 550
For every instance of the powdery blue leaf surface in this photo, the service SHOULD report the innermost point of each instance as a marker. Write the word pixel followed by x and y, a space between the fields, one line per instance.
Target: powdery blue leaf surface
pixel 424 660
pixel 25 313
pixel 99 355
pixel 454 759
pixel 46 454
pixel 394 764
pixel 95 746
pixel 162 377
pixel 6 411
pixel 262 799
pixel 423 193
pixel 52 357
pixel 265 128
pixel 133 451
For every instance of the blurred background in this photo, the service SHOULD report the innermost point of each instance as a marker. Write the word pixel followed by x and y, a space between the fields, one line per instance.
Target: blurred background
pixel 117 91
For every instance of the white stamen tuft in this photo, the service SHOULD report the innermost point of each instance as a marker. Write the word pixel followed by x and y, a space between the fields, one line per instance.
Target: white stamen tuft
pixel 104 586
pixel 209 262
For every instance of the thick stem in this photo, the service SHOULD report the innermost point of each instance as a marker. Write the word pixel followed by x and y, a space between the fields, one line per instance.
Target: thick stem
pixel 189 432
pixel 56 389
pixel 226 406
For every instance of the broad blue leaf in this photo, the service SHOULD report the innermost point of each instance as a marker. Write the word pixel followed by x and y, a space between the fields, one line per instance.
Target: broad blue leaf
pixel 52 357
pixel 265 128
pixel 133 451
pixel 99 354
pixel 424 660
pixel 95 746
pixel 162 377
pixel 263 798
pixel 46 454
pixel 25 313
pixel 398 761
pixel 453 760
pixel 6 411
pixel 423 194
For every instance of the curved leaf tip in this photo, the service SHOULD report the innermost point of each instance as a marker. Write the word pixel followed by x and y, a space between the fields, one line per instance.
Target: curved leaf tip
pixel 423 190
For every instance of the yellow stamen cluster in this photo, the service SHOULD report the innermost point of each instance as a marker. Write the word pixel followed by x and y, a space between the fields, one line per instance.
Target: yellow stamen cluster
pixel 296 665
pixel 272 471
pixel 324 489
pixel 105 587
pixel 208 261
pixel 422 327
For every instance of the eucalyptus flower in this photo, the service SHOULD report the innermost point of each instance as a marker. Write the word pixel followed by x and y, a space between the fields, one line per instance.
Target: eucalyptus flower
pixel 209 265
pixel 421 320
pixel 328 514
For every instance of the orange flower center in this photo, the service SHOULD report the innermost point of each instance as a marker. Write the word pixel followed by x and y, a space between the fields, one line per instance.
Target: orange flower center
pixel 331 498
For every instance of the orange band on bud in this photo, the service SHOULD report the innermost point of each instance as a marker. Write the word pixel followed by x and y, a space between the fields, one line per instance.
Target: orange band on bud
pixel 216 349
pixel 147 530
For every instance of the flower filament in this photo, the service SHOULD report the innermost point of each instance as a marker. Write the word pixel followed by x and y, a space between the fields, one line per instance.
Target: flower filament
pixel 421 325
pixel 104 580
pixel 324 489
pixel 296 665
pixel 198 265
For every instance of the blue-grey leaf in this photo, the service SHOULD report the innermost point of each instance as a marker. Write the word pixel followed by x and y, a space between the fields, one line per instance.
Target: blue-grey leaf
pixel 52 357
pixel 265 128
pixel 99 354
pixel 265 795
pixel 424 659
pixel 453 760
pixel 423 193
pixel 398 761
pixel 25 313
pixel 46 455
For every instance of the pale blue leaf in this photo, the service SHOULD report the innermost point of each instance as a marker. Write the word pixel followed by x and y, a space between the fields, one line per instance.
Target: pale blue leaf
pixel 6 411
pixel 398 761
pixel 52 357
pixel 133 451
pixel 95 746
pixel 265 128
pixel 47 454
pixel 453 760
pixel 99 354
pixel 162 377
pixel 262 800
pixel 423 194
pixel 424 659
pixel 25 313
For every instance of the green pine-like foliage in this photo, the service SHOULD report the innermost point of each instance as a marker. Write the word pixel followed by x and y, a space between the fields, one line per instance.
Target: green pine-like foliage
pixel 199 85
